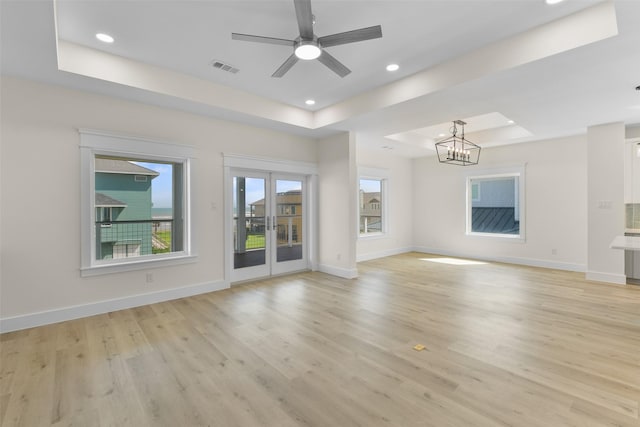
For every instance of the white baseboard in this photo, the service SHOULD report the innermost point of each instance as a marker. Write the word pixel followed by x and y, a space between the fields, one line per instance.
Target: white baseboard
pixel 31 320
pixel 346 273
pixel 597 276
pixel 532 262
pixel 382 254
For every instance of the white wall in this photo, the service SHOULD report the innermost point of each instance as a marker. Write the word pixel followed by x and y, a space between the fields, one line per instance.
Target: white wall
pixel 337 205
pixel 555 193
pixel 605 201
pixel 632 131
pixel 40 209
pixel 399 237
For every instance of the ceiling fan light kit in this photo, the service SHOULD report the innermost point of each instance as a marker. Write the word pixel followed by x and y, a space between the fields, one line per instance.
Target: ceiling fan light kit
pixel 308 46
pixel 456 150
pixel 307 49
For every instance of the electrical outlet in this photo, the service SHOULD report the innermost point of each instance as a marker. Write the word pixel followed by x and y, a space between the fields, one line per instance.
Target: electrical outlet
pixel 338 257
pixel 554 251
pixel 149 277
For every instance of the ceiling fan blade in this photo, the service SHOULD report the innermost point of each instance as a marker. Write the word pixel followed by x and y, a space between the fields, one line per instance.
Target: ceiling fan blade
pixel 305 18
pixel 333 64
pixel 261 39
pixel 362 34
pixel 286 66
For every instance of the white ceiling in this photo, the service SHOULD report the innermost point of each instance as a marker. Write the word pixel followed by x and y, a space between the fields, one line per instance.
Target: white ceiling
pixel 556 95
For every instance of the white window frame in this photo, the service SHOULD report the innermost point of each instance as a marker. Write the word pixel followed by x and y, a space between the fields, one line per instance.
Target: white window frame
pixel 382 175
pixel 98 143
pixel 503 172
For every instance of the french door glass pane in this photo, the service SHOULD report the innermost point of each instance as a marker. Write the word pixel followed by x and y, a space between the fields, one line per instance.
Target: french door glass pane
pixel 249 239
pixel 288 211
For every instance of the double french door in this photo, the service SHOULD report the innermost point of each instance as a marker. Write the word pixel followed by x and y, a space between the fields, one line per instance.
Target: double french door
pixel 269 224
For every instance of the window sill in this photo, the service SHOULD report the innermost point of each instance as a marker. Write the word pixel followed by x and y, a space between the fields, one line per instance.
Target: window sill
pixel 139 264
pixel 499 237
pixel 372 236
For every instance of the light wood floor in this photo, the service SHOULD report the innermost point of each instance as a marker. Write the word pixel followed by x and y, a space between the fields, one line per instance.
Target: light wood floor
pixel 505 345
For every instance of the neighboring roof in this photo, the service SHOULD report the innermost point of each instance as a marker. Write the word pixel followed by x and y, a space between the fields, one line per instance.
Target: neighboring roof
pixel 370 197
pixel 104 201
pixel 123 167
pixel 494 220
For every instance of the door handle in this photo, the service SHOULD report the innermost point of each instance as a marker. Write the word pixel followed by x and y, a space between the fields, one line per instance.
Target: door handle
pixel 273 223
pixel 267 227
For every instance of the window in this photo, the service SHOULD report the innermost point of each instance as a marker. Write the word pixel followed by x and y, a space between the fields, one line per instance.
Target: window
pixel 135 204
pixel 495 205
pixel 371 207
pixel 103 214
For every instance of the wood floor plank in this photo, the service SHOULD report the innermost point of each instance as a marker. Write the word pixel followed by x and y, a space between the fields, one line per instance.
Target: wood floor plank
pixel 33 384
pixel 505 345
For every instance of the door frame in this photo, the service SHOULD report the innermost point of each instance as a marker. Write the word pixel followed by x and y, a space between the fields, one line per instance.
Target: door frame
pixel 276 167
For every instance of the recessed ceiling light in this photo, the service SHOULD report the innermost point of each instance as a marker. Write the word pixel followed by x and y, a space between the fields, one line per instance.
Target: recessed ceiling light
pixel 393 67
pixel 440 135
pixel 554 1
pixel 310 102
pixel 510 122
pixel 105 38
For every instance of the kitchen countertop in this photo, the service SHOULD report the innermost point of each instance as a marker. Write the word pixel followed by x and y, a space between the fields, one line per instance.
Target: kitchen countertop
pixel 628 243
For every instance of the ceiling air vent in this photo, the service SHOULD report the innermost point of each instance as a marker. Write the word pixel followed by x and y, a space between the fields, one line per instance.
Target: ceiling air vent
pixel 224 66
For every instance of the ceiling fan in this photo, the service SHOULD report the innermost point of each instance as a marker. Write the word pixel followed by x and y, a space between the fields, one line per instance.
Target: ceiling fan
pixel 308 46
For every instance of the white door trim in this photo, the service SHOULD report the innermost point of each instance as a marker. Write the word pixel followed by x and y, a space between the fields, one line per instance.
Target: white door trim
pixel 269 165
pixel 276 166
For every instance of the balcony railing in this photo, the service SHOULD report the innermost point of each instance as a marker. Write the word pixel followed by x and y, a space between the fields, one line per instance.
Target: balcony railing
pixel 124 239
pixel 289 232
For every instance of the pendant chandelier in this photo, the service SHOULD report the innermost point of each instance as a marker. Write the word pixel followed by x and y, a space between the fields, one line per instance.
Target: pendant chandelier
pixel 456 150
